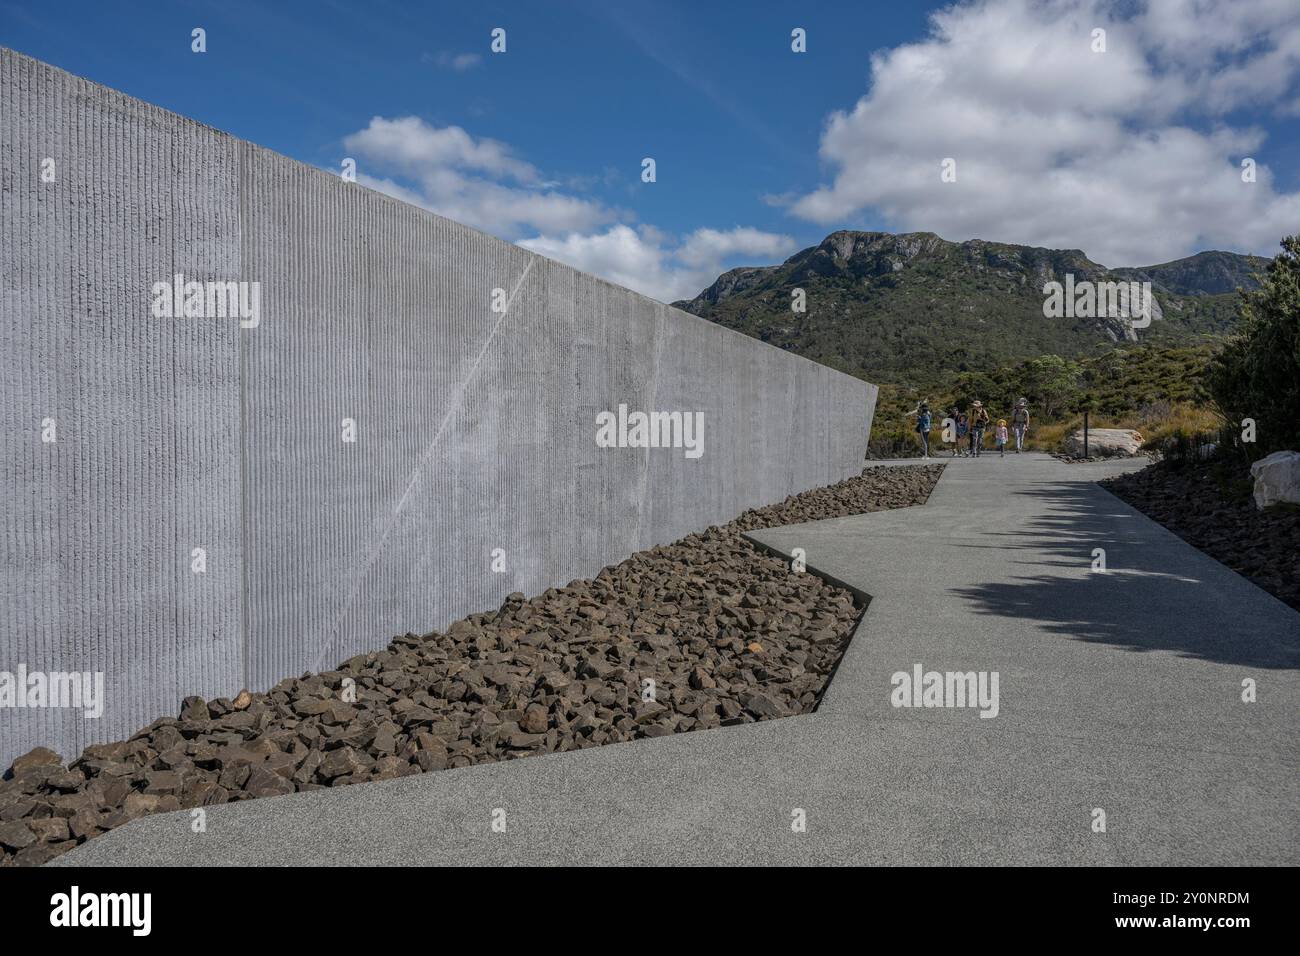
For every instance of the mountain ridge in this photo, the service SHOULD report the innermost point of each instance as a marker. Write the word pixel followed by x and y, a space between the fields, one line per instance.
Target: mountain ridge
pixel 898 306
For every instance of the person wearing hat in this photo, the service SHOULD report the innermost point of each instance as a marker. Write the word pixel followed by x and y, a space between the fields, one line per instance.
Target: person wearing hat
pixel 1020 422
pixel 979 419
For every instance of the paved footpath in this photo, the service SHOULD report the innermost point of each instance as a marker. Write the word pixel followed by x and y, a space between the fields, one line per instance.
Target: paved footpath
pixel 1118 691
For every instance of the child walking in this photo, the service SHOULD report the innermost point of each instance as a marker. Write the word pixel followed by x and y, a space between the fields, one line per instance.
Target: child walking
pixel 1000 436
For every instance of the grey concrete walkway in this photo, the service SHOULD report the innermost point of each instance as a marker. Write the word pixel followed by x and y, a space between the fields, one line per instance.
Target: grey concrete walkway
pixel 1118 691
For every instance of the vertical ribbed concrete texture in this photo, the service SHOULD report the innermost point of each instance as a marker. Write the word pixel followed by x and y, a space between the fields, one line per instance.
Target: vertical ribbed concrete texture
pixel 474 429
pixel 99 524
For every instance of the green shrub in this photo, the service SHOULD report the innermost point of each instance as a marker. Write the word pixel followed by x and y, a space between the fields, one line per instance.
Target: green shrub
pixel 1257 374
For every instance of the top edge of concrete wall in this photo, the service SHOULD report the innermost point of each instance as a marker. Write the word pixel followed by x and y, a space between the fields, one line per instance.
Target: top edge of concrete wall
pixel 9 51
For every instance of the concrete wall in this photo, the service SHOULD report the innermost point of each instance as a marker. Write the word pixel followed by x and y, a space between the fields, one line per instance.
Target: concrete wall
pixel 474 429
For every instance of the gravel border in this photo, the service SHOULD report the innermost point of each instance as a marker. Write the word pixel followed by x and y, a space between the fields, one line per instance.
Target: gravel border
pixel 708 631
pixel 1209 506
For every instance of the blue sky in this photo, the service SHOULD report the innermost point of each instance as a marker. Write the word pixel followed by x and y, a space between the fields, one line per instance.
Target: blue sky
pixel 1131 153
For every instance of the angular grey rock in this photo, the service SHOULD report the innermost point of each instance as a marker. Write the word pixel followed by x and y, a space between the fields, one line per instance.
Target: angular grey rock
pixel 764 707
pixel 139 804
pixel 535 720
pixel 36 758
pixel 265 782
pixel 16 835
pixel 701 680
pixel 340 762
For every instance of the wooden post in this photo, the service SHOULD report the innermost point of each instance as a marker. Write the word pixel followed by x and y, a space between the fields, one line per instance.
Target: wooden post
pixel 1085 433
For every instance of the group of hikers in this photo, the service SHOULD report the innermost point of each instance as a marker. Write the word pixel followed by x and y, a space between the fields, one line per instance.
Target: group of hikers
pixel 965 429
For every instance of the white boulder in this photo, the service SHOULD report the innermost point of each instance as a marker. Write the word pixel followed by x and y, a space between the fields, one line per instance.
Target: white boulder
pixel 1106 443
pixel 1277 478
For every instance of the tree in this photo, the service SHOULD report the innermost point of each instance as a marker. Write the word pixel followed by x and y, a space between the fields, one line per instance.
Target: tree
pixel 1052 383
pixel 1257 375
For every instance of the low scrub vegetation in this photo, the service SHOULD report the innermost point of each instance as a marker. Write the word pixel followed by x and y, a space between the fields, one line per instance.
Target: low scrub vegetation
pixel 1188 402
pixel 1156 391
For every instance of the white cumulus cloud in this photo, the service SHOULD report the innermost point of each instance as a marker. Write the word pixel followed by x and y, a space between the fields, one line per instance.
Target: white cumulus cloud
pixel 459 62
pixel 483 183
pixel 1128 154
pixel 651 263
pixel 474 180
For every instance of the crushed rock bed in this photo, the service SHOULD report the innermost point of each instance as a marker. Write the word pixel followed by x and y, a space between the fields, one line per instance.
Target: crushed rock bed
pixel 727 634
pixel 1209 506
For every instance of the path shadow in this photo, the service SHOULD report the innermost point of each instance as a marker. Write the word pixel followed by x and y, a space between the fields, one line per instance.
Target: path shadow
pixel 1158 593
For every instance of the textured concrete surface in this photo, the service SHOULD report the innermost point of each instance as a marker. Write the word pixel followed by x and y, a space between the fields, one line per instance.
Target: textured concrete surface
pixel 99 525
pixel 475 429
pixel 1118 691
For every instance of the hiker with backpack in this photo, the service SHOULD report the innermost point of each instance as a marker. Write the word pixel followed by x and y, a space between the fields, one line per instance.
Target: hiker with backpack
pixel 1020 422
pixel 979 420
pixel 962 426
pixel 923 424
